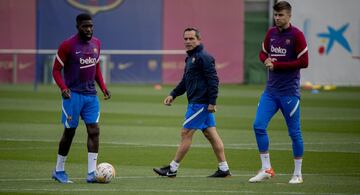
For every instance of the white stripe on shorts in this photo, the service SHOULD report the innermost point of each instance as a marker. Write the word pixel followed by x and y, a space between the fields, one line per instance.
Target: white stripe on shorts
pixel 67 124
pixel 66 115
pixel 295 108
pixel 63 109
pixel 193 116
pixel 97 119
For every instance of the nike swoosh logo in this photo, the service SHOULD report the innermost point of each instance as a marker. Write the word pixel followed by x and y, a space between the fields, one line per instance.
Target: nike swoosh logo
pixel 77 52
pixel 170 174
pixel 289 102
pixel 24 65
pixel 123 66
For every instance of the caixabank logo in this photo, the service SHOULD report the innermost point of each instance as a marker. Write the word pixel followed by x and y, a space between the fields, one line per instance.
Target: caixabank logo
pixel 333 36
pixel 95 6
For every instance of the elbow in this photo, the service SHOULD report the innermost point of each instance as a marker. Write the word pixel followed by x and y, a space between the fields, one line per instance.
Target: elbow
pixel 262 57
pixel 304 62
pixel 304 65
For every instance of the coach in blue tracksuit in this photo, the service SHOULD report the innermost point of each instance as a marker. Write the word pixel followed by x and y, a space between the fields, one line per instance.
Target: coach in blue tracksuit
pixel 200 82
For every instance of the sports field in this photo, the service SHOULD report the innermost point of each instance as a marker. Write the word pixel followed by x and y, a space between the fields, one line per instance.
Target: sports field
pixel 139 133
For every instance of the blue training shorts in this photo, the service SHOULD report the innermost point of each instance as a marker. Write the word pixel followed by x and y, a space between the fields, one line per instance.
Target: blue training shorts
pixel 86 106
pixel 198 117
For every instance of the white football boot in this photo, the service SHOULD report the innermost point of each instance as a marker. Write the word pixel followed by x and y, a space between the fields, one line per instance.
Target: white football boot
pixel 262 175
pixel 296 179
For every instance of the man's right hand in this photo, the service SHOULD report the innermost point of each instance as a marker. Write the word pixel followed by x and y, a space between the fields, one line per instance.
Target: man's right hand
pixel 168 100
pixel 66 94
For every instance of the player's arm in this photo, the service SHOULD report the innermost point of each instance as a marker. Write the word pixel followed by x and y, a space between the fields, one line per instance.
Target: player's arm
pixel 99 78
pixel 212 79
pixel 59 63
pixel 302 59
pixel 264 53
pixel 100 81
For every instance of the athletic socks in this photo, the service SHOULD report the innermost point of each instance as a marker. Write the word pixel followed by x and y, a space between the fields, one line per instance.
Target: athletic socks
pixel 174 166
pixel 92 158
pixel 297 164
pixel 60 163
pixel 265 161
pixel 223 166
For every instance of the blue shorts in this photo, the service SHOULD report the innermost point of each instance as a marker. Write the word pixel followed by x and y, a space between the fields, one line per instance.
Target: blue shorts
pixel 269 105
pixel 198 117
pixel 86 106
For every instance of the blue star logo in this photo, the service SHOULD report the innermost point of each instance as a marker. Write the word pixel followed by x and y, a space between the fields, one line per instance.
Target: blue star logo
pixel 336 36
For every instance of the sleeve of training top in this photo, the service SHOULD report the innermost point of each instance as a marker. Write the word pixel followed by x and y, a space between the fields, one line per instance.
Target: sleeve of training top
pixel 263 55
pixel 180 88
pixel 211 77
pixel 301 50
pixel 98 75
pixel 59 63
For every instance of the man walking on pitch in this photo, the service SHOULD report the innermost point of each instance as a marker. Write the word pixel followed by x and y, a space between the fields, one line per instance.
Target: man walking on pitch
pixel 200 82
pixel 284 52
pixel 79 57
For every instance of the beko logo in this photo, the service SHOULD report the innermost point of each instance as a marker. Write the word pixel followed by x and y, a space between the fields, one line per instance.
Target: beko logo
pixel 278 50
pixel 88 60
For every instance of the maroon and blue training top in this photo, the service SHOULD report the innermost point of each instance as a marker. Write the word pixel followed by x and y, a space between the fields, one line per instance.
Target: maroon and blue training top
pixel 80 60
pixel 289 50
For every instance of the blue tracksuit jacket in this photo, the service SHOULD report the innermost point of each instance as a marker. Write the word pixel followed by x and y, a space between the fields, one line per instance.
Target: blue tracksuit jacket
pixel 200 80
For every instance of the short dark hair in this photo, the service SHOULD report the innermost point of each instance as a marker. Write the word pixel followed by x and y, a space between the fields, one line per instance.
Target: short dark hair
pixel 82 17
pixel 282 5
pixel 197 32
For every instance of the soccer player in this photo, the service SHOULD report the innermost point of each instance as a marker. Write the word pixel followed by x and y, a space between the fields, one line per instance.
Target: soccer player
pixel 200 82
pixel 79 57
pixel 284 52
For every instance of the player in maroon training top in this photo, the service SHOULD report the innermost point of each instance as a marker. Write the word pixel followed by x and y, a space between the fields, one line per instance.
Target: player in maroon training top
pixel 284 52
pixel 79 56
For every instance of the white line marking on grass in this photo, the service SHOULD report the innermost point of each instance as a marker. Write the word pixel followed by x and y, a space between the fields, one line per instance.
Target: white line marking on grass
pixel 179 176
pixel 160 191
pixel 251 146
pixel 171 145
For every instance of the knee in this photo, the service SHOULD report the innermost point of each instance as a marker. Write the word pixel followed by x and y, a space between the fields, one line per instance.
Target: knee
pixel 69 133
pixel 186 135
pixel 93 130
pixel 295 136
pixel 259 128
pixel 259 131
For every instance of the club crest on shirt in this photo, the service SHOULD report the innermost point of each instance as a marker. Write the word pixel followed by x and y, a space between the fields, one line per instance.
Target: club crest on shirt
pixel 93 7
pixel 95 50
pixel 193 60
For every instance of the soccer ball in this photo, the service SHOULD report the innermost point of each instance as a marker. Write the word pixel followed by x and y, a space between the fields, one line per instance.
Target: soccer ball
pixel 104 172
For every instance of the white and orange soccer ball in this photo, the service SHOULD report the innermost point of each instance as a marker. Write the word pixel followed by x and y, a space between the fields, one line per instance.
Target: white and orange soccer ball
pixel 104 173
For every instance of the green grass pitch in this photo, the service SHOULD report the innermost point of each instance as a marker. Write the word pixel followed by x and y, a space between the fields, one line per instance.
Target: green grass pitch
pixel 139 133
